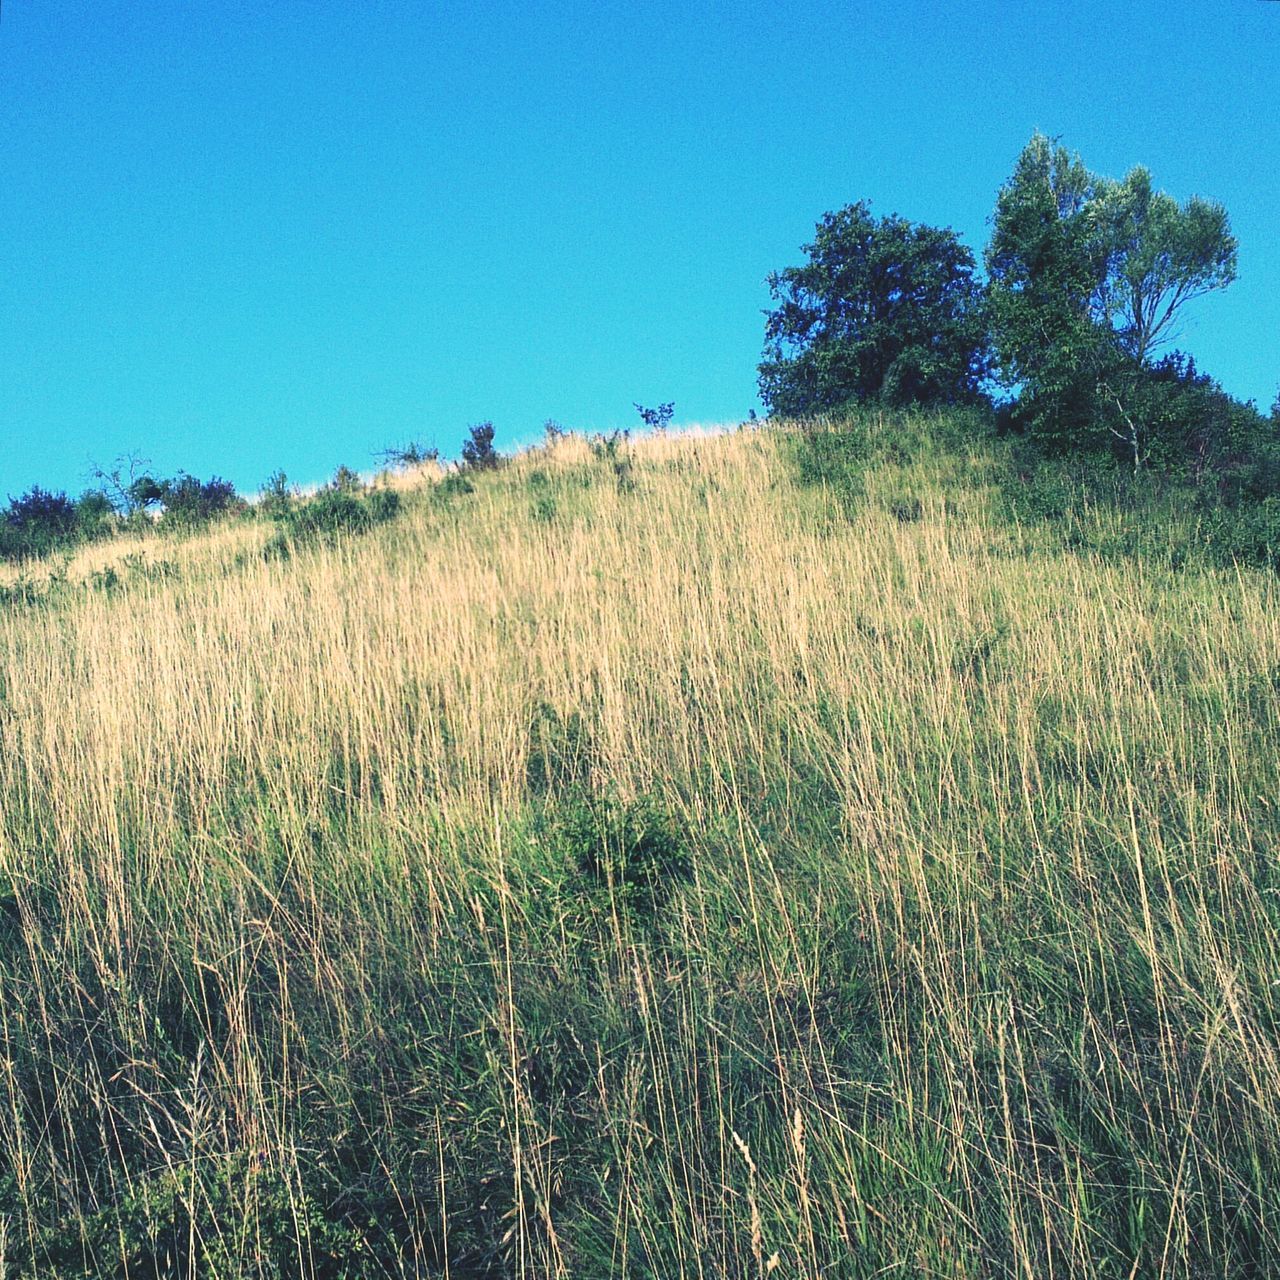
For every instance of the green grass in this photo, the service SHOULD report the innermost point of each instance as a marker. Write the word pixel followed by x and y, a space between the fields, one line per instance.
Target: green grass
pixel 772 854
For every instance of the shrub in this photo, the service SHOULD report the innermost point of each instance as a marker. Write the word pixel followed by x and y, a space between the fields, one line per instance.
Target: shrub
pixel 36 523
pixel 478 453
pixel 276 496
pixel 95 514
pixel 454 485
pixel 190 501
pixel 635 850
pixel 331 512
pixel 658 419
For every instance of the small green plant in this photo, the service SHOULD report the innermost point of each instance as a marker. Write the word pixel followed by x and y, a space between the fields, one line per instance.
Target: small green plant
pixel 633 850
pixel 454 485
pixel 413 454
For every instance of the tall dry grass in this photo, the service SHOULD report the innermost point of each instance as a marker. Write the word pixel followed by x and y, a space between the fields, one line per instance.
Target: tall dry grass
pixel 302 971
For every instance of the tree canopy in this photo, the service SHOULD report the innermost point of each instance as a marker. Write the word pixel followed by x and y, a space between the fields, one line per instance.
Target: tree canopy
pixel 884 309
pixel 1087 279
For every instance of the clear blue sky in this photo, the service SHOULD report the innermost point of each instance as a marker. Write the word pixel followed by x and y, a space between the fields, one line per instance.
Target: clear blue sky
pixel 246 236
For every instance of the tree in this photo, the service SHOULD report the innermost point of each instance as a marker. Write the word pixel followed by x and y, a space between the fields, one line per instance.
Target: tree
pixel 127 483
pixel 884 309
pixel 1087 276
pixel 1046 264
pixel 192 501
pixel 1160 256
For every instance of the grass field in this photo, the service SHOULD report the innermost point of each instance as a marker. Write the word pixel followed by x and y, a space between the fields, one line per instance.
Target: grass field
pixel 731 856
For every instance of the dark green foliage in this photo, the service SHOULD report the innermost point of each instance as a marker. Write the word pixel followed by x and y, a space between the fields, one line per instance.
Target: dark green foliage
pixel 187 500
pixel 454 485
pixel 144 492
pixel 478 453
pixel 884 309
pixel 1190 423
pixel 334 511
pixel 634 850
pixel 658 419
pixel 95 514
pixel 35 523
pixel 833 459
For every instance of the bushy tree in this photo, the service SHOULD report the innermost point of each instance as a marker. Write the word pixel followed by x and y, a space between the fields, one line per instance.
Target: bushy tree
pixel 884 309
pixel 1087 278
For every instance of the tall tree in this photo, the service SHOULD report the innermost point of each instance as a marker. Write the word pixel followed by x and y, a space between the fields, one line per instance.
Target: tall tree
pixel 884 309
pixel 1087 276
pixel 1161 255
pixel 1046 263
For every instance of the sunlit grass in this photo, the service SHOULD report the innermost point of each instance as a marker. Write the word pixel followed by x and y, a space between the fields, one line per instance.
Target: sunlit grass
pixel 972 973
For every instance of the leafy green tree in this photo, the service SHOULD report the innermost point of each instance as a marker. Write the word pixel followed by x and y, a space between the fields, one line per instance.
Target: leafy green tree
pixel 1087 277
pixel 1047 267
pixel 884 309
pixel 1160 256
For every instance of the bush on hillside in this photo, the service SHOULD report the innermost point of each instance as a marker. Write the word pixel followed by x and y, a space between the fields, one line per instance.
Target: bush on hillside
pixel 187 500
pixel 36 522
pixel 334 511
pixel 634 851
pixel 478 453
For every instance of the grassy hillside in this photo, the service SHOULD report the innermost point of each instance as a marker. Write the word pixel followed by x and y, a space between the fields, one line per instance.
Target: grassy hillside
pixel 764 854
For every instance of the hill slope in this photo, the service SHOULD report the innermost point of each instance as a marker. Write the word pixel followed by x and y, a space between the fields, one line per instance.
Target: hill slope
pixel 719 856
